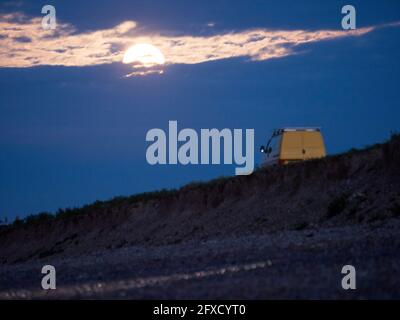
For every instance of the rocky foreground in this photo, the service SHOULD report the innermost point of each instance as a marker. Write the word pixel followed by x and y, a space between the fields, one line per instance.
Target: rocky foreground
pixel 288 265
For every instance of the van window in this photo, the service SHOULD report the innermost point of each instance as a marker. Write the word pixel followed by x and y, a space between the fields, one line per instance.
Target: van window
pixel 275 144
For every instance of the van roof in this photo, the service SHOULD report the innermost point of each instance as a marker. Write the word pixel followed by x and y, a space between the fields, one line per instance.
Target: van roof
pixel 302 129
pixel 289 129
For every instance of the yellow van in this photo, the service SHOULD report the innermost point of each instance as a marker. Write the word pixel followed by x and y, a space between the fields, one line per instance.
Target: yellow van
pixel 288 145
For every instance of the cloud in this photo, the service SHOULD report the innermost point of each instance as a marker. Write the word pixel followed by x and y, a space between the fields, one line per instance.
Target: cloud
pixel 23 43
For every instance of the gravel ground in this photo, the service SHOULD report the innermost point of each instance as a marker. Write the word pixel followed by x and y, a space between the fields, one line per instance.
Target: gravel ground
pixel 285 265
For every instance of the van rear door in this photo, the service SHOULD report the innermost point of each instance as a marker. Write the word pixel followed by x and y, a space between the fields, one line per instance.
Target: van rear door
pixel 313 145
pixel 292 146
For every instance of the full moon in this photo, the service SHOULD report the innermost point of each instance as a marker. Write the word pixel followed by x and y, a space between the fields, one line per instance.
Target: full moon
pixel 144 54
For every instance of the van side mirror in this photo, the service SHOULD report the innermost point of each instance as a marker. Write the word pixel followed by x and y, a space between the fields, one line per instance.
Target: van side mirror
pixel 265 150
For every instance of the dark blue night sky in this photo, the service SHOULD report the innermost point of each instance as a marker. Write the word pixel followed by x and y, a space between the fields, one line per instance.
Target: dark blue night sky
pixel 70 135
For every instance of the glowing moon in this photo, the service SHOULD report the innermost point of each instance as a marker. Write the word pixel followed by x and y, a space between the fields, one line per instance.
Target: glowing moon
pixel 146 55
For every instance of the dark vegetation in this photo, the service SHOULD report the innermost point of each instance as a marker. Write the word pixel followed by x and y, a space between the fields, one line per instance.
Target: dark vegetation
pixel 337 205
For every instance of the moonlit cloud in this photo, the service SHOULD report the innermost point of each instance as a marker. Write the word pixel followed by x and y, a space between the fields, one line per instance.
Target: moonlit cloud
pixel 23 43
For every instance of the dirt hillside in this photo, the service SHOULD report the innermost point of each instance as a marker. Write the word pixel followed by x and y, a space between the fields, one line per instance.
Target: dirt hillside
pixel 358 187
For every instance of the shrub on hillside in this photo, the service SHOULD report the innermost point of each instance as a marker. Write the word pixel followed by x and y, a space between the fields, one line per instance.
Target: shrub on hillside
pixel 337 205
